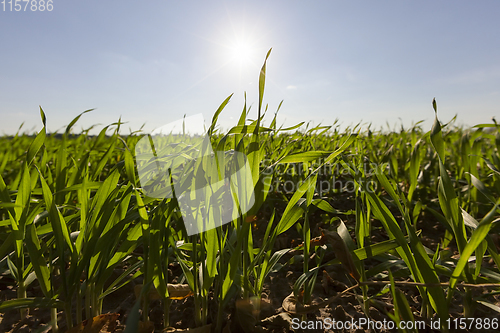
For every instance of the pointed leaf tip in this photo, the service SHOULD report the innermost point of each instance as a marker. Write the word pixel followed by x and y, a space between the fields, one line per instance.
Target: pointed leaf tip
pixel 434 105
pixel 269 52
pixel 42 114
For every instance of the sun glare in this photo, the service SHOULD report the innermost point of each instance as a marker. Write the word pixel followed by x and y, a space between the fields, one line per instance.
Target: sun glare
pixel 242 53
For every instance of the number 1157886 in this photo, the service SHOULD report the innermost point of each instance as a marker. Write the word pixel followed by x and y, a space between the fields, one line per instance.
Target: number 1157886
pixel 27 5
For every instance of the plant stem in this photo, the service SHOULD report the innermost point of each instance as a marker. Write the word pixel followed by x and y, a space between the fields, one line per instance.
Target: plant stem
pixel 21 293
pixel 67 313
pixel 166 312
pixel 53 320
pixel 79 318
pixel 88 314
pixel 197 291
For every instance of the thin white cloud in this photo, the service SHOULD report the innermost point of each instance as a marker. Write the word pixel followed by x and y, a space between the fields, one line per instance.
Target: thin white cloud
pixel 475 76
pixel 291 87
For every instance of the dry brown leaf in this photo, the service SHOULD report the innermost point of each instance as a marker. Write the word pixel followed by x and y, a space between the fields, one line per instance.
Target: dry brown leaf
pixel 175 291
pixel 96 324
pixel 325 281
pixel 316 241
pixel 281 320
pixel 342 252
pixel 169 330
pixel 291 305
pixel 178 291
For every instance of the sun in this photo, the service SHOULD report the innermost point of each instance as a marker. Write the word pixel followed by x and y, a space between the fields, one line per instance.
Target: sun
pixel 243 53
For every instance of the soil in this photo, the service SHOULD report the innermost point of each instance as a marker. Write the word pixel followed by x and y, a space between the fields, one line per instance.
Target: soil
pixel 277 297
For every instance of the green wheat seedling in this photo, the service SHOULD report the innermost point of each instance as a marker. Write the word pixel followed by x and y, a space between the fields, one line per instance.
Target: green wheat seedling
pixel 73 213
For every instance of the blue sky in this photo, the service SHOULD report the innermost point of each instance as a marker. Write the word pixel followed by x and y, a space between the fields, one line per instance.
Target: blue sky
pixel 154 61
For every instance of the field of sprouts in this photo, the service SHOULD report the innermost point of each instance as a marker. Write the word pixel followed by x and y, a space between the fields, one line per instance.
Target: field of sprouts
pixel 347 226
